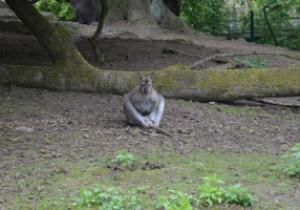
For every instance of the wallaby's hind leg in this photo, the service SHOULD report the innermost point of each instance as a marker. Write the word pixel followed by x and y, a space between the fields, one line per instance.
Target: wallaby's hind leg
pixel 133 117
pixel 157 113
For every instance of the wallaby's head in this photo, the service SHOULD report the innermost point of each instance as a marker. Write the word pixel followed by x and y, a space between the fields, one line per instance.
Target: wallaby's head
pixel 146 83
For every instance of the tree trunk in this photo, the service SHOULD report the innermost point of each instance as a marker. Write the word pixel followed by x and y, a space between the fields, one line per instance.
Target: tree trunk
pixel 102 9
pixel 132 11
pixel 58 44
pixel 150 12
pixel 175 82
pixel 174 6
pixel 55 40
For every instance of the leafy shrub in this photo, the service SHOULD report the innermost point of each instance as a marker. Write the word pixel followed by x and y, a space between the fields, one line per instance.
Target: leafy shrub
pixel 251 63
pixel 124 159
pixel 61 8
pixel 293 161
pixel 205 15
pixel 235 194
pixel 112 198
pixel 213 191
pixel 176 201
pixel 219 17
pixel 279 14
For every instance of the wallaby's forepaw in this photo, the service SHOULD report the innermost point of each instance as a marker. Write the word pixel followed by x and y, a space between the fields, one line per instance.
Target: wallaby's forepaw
pixel 148 123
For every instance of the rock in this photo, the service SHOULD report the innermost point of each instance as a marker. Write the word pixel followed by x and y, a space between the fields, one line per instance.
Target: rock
pixel 24 129
pixel 3 4
pixel 152 166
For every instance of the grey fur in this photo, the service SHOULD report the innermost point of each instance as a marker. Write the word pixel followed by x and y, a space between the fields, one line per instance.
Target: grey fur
pixel 143 106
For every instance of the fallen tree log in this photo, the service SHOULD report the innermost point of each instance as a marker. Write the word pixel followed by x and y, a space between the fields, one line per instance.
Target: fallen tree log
pixel 176 81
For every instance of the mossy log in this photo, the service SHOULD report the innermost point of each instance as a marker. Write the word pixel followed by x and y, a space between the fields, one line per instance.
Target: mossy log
pixel 176 81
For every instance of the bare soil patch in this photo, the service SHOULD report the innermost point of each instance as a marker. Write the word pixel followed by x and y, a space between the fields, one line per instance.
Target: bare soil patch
pixel 123 54
pixel 40 127
pixel 134 53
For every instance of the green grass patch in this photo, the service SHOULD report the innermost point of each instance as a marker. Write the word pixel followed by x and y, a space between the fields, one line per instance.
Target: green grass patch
pixel 60 184
pixel 124 159
pixel 292 158
pixel 256 62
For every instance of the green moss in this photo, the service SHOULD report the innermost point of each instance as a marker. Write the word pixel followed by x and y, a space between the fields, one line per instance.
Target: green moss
pixel 229 82
pixel 62 33
pixel 177 81
pixel 69 76
pixel 28 75
pixel 175 76
pixel 246 79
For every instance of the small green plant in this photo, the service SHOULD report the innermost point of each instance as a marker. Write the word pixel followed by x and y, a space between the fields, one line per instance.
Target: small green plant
pixel 251 63
pixel 293 161
pixel 112 198
pixel 213 191
pixel 176 201
pixel 199 165
pixel 61 8
pixel 124 159
pixel 235 194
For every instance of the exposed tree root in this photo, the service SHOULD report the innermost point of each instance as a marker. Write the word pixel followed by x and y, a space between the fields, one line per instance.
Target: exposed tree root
pixel 162 131
pixel 276 103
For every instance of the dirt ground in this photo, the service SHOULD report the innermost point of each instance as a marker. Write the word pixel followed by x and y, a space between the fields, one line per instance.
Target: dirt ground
pixel 126 54
pixel 39 126
pixel 135 47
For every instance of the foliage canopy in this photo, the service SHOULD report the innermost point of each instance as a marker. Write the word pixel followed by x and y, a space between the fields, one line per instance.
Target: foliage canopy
pixel 233 20
pixel 61 8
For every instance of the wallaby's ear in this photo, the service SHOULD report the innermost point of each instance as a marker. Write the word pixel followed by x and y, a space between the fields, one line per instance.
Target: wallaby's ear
pixel 152 76
pixel 142 77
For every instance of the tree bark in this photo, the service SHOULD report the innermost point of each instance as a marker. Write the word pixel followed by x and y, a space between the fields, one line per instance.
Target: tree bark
pixel 269 25
pixel 168 19
pixel 102 10
pixel 69 63
pixel 138 12
pixel 175 82
pixel 150 12
pixel 174 6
